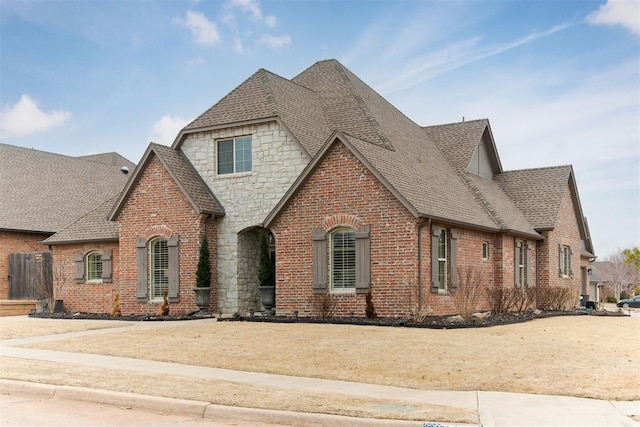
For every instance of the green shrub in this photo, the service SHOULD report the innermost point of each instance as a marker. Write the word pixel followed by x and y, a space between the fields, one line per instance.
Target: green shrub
pixel 612 299
pixel 624 295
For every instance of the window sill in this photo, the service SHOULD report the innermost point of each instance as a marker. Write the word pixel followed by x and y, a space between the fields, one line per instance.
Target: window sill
pixel 94 282
pixel 234 175
pixel 347 291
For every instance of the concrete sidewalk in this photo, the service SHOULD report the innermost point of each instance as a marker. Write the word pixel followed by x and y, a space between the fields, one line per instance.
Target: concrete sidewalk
pixel 494 408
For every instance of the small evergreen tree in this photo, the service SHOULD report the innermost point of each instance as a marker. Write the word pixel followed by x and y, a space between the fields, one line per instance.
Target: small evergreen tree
pixel 266 272
pixel 203 274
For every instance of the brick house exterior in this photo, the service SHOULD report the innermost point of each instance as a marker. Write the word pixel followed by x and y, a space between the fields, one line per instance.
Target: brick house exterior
pixel 36 204
pixel 356 197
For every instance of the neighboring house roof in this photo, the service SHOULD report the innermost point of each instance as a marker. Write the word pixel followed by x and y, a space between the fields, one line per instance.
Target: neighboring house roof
pixel 94 226
pixel 184 175
pixel 43 192
pixel 113 159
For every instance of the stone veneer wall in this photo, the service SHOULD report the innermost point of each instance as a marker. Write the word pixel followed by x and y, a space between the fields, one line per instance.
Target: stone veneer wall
pixel 247 198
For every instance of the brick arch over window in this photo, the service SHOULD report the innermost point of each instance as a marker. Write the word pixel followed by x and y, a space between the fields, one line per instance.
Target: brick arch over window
pixel 341 220
pixel 157 231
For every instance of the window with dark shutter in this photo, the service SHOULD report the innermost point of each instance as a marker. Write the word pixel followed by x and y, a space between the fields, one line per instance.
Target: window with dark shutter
pixel 363 259
pixel 107 266
pixel 142 286
pixel 453 259
pixel 438 259
pixel 78 260
pixel 320 266
pixel 343 259
pixel 174 268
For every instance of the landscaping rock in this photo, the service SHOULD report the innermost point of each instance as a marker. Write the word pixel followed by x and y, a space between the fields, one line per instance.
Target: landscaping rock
pixel 455 319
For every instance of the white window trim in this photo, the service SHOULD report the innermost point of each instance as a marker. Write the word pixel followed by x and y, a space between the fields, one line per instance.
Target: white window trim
pixel 153 298
pixel 521 277
pixel 485 257
pixel 345 290
pixel 565 267
pixel 86 267
pixel 235 173
pixel 445 289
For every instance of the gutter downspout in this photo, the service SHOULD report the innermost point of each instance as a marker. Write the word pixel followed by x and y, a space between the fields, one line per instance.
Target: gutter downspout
pixel 420 227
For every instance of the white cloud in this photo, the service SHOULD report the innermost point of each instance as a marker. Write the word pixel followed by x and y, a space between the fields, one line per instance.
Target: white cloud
pixel 271 21
pixel 618 12
pixel 165 130
pixel 25 118
pixel 250 6
pixel 204 31
pixel 275 42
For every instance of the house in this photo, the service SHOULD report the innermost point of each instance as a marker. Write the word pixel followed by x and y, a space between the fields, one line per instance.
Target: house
pixel 356 198
pixel 41 193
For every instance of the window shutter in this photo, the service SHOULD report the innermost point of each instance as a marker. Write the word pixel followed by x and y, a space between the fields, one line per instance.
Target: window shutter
pixel 560 260
pixel 435 234
pixel 174 268
pixel 107 266
pixel 516 262
pixel 363 259
pixel 453 259
pixel 319 261
pixel 527 271
pixel 142 287
pixel 78 260
pixel 570 262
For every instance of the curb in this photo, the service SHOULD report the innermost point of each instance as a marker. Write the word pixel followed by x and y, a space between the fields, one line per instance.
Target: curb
pixel 197 409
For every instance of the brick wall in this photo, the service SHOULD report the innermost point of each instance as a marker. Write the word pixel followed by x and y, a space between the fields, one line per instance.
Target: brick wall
pixel 83 297
pixel 16 242
pixel 566 232
pixel 343 192
pixel 157 207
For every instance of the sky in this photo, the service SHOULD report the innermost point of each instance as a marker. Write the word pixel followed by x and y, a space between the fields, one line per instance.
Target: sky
pixel 559 80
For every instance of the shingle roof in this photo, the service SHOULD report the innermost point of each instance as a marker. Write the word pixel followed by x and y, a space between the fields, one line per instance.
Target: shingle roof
pixel 112 158
pixel 94 226
pixel 537 192
pixel 43 192
pixel 458 141
pixel 184 175
pixel 426 167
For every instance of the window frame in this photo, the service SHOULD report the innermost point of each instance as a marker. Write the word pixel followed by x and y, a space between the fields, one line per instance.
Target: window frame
pixel 154 269
pixel 351 288
pixel 88 270
pixel 565 261
pixel 485 251
pixel 520 261
pixel 245 163
pixel 443 241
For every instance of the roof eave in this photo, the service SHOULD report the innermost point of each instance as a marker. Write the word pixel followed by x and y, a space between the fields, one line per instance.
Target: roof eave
pixel 74 241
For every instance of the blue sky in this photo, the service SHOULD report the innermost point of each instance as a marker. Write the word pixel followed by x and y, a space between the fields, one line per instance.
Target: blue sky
pixel 558 80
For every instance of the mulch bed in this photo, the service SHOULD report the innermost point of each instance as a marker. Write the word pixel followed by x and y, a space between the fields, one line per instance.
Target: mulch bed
pixel 432 322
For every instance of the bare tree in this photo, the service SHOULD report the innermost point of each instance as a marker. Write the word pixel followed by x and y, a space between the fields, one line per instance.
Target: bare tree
pixel 617 272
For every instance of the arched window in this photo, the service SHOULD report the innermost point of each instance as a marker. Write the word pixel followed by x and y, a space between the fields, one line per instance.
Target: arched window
pixel 94 267
pixel 343 259
pixel 158 267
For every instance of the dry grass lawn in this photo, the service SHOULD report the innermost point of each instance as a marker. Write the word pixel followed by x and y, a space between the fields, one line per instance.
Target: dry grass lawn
pixel 23 327
pixel 582 356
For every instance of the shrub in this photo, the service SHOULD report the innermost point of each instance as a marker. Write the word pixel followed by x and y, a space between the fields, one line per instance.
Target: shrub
pixel 468 292
pixel 324 304
pixel 203 273
pixel 115 307
pixel 553 298
pixel 370 310
pixel 612 299
pixel 507 300
pixel 624 295
pixel 266 272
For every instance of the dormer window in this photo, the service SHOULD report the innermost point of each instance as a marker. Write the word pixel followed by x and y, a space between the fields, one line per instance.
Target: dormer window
pixel 234 155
